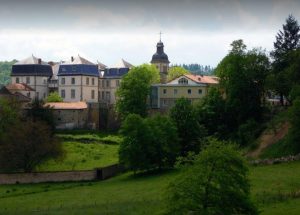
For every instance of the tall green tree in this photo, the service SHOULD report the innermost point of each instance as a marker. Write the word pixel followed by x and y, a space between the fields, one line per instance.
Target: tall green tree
pixel 54 97
pixel 135 89
pixel 190 132
pixel 217 183
pixel 287 40
pixel 175 72
pixel 242 77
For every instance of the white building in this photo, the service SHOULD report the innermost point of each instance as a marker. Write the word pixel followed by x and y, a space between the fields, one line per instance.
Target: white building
pixel 109 81
pixel 78 80
pixel 35 73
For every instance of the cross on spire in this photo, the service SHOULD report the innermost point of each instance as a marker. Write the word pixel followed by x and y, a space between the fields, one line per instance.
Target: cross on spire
pixel 160 33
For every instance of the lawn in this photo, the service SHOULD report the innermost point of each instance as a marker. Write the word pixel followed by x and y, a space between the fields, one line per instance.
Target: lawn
pixel 273 188
pixel 83 156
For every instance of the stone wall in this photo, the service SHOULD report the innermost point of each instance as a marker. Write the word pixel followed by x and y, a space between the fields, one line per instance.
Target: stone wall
pixel 270 161
pixel 39 177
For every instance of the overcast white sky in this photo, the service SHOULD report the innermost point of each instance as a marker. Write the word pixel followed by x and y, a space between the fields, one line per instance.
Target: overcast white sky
pixel 194 31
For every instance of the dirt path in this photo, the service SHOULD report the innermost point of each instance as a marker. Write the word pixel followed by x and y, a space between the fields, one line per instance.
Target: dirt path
pixel 268 138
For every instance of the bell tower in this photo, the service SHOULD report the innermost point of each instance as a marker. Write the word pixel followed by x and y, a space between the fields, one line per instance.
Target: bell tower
pixel 161 61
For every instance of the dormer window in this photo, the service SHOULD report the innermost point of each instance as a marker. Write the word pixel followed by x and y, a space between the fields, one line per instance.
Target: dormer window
pixel 183 81
pixel 73 68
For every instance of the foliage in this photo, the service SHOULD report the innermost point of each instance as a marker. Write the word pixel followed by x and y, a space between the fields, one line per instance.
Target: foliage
pixel 39 112
pixel 24 146
pixel 165 141
pixel 175 72
pixel 9 114
pixel 211 113
pixel 197 69
pixel 286 41
pixel 5 69
pixel 189 130
pixel 148 143
pixel 242 77
pixel 217 183
pixel 54 97
pixel 134 90
pixel 294 134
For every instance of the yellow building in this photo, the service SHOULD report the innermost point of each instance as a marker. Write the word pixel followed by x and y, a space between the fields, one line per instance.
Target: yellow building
pixel 192 87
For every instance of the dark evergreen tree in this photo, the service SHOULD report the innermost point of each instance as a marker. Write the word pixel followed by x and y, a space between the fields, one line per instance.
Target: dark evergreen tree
pixel 286 41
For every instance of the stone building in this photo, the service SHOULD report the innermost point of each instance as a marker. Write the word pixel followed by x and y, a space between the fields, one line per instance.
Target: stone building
pixel 78 80
pixel 192 87
pixel 161 61
pixel 109 81
pixel 33 72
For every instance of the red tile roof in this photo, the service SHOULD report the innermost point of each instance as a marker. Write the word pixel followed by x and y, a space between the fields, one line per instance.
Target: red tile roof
pixel 19 87
pixel 67 105
pixel 204 79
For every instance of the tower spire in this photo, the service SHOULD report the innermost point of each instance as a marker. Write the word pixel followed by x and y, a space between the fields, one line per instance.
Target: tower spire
pixel 160 33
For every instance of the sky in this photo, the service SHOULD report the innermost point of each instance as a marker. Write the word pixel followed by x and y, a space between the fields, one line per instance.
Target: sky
pixel 193 31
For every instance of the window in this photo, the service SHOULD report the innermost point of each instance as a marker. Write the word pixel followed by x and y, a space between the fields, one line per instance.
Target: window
pixel 107 96
pixel 117 83
pixel 63 81
pixel 63 93
pixel 103 97
pixel 28 94
pixel 200 91
pixel 165 91
pixel 107 83
pixel 73 68
pixel 183 81
pixel 93 94
pixel 189 91
pixel 73 80
pixel 72 94
pixel 93 81
pixel 103 83
pixel 87 81
pixel 17 80
pixel 45 81
pixel 175 91
pixel 27 80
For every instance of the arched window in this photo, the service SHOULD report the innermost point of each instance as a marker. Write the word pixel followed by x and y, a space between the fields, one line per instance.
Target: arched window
pixel 183 81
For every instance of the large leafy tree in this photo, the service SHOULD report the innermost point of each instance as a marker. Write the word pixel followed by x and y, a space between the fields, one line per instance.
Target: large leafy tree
pixel 175 72
pixel 190 132
pixel 135 89
pixel 217 183
pixel 148 143
pixel 242 77
pixel 287 40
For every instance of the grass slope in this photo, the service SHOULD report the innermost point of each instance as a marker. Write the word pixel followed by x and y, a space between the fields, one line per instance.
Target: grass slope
pixel 80 156
pixel 274 189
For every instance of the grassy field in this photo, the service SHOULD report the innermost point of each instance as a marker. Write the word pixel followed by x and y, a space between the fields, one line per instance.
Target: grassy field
pixel 83 156
pixel 274 189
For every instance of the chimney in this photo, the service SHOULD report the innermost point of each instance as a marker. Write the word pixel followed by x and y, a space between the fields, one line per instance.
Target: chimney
pixel 39 61
pixel 72 58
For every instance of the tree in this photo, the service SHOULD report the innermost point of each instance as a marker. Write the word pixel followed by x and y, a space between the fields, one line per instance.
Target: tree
pixel 175 72
pixel 54 97
pixel 135 149
pixel 9 114
pixel 189 130
pixel 164 140
pixel 211 113
pixel 148 143
pixel 38 111
pixel 24 146
pixel 286 41
pixel 135 89
pixel 242 77
pixel 216 183
pixel 294 134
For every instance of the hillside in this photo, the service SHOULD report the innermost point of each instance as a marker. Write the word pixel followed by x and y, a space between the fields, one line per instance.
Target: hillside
pixel 275 190
pixel 5 69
